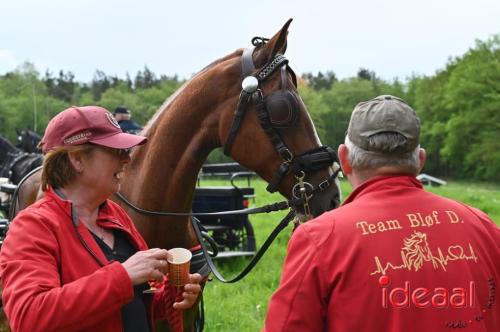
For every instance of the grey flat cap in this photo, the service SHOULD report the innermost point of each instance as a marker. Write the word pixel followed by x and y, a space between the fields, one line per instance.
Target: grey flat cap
pixel 384 114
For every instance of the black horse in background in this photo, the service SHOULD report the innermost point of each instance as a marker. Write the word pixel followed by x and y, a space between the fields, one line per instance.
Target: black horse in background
pixel 15 162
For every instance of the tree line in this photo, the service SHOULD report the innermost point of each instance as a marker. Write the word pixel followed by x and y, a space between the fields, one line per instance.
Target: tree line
pixel 459 105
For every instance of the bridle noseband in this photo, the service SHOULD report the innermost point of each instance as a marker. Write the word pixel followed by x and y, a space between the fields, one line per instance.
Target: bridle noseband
pixel 280 109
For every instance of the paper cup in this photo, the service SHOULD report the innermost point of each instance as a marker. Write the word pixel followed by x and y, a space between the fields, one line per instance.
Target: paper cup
pixel 178 266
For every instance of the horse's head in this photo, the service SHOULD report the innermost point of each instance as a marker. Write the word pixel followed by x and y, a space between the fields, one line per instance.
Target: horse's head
pixel 28 140
pixel 265 126
pixel 416 250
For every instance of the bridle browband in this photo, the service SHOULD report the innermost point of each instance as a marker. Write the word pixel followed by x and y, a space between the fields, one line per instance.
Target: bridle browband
pixel 299 165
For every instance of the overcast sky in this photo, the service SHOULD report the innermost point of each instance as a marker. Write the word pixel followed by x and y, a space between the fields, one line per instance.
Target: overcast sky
pixel 394 38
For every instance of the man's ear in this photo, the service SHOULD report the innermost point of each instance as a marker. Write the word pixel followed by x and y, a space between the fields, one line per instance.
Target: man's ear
pixel 422 155
pixel 343 154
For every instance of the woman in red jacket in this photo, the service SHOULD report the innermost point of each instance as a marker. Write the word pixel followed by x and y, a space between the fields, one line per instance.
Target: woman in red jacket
pixel 73 261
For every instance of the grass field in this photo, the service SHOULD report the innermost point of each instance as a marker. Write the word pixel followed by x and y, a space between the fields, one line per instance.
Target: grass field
pixel 242 306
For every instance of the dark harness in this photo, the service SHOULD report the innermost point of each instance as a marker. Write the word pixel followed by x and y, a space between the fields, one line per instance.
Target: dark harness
pixel 279 110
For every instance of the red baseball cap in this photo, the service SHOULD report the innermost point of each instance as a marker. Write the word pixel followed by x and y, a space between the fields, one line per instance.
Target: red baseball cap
pixel 87 124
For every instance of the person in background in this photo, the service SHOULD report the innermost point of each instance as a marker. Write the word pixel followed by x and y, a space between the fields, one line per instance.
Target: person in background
pixel 73 260
pixel 123 117
pixel 393 257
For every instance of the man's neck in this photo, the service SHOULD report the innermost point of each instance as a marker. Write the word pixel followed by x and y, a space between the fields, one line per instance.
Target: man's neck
pixel 358 177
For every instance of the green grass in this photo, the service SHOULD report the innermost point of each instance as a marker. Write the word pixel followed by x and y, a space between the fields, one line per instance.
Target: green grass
pixel 242 306
pixel 483 196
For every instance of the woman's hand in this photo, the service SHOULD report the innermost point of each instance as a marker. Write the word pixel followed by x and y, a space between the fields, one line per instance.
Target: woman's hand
pixel 146 265
pixel 191 292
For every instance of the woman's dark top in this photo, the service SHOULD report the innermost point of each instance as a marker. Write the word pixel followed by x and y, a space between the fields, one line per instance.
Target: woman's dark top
pixel 134 316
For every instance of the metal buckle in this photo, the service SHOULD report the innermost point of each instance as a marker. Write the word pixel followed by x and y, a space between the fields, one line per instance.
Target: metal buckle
pixel 323 185
pixel 302 187
pixel 287 155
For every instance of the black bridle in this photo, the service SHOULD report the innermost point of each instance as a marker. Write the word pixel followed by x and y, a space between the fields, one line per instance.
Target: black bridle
pixel 310 161
pixel 280 110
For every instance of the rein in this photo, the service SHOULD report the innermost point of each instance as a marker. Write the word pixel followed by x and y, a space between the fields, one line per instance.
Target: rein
pixel 282 225
pixel 278 206
pixel 200 235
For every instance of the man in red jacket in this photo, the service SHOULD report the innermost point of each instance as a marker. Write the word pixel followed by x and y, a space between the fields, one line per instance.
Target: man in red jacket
pixel 393 257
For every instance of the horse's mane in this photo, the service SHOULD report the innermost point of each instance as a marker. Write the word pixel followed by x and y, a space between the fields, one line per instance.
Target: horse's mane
pixel 172 97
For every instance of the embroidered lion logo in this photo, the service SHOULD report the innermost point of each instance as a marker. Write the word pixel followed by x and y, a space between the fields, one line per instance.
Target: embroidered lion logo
pixel 416 251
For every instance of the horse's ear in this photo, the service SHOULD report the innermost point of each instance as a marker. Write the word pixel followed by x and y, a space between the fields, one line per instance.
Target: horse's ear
pixel 277 44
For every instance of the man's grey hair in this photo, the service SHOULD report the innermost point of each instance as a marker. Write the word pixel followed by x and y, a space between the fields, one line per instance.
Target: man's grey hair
pixel 364 160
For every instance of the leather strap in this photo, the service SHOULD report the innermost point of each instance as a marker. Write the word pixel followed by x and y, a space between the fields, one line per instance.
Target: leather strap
pixel 266 208
pixel 239 114
pixel 247 66
pixel 284 78
pixel 283 223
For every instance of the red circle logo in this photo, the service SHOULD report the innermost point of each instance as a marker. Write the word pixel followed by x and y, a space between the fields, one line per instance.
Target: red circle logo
pixel 384 281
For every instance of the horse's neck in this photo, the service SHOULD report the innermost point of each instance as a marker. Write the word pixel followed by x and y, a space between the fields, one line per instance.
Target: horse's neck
pixel 162 174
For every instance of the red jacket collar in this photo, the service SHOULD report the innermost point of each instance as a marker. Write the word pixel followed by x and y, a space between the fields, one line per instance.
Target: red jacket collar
pixel 381 182
pixel 104 213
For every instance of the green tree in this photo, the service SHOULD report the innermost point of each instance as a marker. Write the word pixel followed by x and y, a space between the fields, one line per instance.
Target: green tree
pixel 340 101
pixel 100 83
pixel 25 102
pixel 366 74
pixel 320 81
pixel 63 87
pixel 473 130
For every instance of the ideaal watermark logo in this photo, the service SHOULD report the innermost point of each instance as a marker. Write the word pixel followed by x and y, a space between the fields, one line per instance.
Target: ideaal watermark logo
pixel 406 296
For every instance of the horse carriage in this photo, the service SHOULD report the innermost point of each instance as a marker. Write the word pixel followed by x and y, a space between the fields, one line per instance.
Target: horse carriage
pixel 233 234
pixel 246 102
pixel 15 162
pixel 18 160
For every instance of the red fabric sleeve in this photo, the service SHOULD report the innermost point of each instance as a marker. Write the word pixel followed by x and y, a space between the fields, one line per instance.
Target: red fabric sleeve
pixel 33 297
pixel 297 304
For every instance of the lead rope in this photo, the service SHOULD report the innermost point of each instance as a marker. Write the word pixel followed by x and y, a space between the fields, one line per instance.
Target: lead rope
pixel 283 224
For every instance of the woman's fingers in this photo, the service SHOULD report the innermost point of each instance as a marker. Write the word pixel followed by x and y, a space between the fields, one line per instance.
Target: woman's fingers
pixel 161 265
pixel 191 292
pixel 192 288
pixel 187 302
pixel 157 275
pixel 159 254
pixel 195 278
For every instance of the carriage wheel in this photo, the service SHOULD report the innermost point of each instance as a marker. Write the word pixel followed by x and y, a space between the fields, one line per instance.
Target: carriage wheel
pixel 250 237
pixel 236 239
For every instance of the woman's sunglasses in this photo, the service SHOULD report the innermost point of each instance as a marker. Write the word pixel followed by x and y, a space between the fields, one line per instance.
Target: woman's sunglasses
pixel 121 153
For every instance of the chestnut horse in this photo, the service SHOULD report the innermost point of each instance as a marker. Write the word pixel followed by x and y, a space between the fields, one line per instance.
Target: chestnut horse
pixel 197 119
